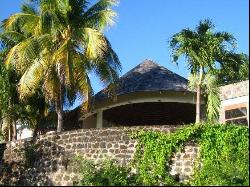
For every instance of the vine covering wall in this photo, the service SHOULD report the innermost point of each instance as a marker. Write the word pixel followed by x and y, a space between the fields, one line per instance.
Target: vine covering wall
pixel 46 161
pixel 223 159
pixel 161 155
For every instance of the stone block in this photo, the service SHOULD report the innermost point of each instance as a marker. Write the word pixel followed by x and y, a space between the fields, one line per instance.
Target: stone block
pixel 188 163
pixel 187 169
pixel 178 163
pixel 102 145
pixel 177 169
pixel 123 147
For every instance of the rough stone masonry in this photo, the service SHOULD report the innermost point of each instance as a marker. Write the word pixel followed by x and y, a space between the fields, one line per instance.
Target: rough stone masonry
pixel 50 161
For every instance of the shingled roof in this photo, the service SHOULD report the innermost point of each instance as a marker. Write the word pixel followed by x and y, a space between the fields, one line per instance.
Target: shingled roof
pixel 148 76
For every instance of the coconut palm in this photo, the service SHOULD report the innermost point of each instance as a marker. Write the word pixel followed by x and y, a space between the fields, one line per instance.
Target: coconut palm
pixel 13 111
pixel 8 98
pixel 201 48
pixel 61 41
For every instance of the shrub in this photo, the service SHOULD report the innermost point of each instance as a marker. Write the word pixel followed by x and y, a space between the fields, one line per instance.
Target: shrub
pixel 106 173
pixel 224 155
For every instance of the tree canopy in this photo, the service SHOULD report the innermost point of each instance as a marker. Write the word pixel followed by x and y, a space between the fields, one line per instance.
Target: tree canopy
pixel 211 59
pixel 57 44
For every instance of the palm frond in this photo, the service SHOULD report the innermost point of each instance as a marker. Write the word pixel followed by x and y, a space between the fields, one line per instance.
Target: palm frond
pixel 226 37
pixel 83 83
pixel 28 8
pixel 100 6
pixel 64 6
pixel 12 36
pixel 24 21
pixel 50 23
pixel 31 79
pixel 213 101
pixel 51 86
pixel 205 26
pixel 95 44
pixel 22 55
pixel 193 80
pixel 100 20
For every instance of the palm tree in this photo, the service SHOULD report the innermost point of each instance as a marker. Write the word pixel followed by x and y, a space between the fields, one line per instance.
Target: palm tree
pixel 62 41
pixel 13 111
pixel 201 48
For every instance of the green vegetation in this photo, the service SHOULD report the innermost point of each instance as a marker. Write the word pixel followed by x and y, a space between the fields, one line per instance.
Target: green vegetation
pixel 235 68
pixel 51 46
pixel 106 173
pixel 210 57
pixel 223 153
pixel 13 111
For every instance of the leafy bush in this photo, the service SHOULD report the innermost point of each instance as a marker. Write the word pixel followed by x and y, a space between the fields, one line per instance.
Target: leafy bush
pixel 106 173
pixel 224 155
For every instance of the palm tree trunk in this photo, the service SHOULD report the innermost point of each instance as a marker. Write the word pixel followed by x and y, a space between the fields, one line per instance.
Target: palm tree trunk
pixel 10 133
pixel 59 109
pixel 198 104
pixel 59 102
pixel 14 134
pixel 35 132
pixel 198 98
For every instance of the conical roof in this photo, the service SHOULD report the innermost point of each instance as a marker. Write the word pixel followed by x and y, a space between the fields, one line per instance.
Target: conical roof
pixel 148 76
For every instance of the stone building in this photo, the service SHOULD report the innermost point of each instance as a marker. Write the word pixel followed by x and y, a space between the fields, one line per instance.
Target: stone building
pixel 235 103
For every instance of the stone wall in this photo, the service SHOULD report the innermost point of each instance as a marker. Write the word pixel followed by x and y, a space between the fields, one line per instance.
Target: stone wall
pixel 49 163
pixel 233 96
pixel 234 90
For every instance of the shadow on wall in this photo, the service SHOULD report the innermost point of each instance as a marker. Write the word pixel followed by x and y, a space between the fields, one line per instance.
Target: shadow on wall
pixel 32 164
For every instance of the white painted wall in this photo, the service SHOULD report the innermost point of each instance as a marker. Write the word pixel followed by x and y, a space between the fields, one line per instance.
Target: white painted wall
pixel 23 133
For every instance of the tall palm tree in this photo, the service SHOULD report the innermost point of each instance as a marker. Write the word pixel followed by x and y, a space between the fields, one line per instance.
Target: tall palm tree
pixel 62 41
pixel 201 48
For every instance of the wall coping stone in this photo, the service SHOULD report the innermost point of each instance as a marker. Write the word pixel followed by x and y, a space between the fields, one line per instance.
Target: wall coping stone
pixel 93 130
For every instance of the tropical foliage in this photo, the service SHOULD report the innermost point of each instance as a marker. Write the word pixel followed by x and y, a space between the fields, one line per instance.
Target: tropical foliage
pixel 219 152
pixel 13 111
pixel 205 50
pixel 57 44
pixel 235 68
pixel 104 173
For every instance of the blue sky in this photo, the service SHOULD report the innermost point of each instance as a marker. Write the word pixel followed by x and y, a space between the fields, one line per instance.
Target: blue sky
pixel 144 27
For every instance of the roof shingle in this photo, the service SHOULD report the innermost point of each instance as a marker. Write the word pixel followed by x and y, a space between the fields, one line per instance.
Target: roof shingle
pixel 148 76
